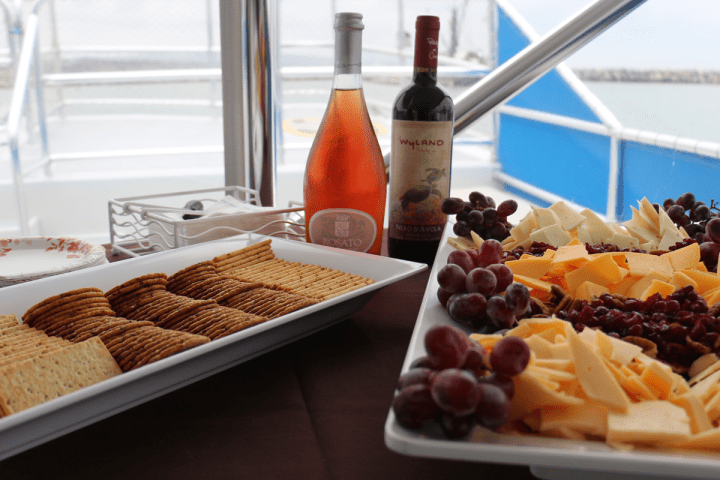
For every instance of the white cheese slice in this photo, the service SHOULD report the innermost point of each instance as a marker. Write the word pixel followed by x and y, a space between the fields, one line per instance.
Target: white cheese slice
pixel 569 218
pixel 583 235
pixel 652 422
pixel 545 217
pixel 669 239
pixel 665 223
pixel 596 227
pixel 624 241
pixel 552 234
pixel 647 208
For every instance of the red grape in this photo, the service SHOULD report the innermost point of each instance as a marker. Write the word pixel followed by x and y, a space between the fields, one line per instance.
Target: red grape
pixel 517 297
pixel 443 296
pixel 422 362
pixel 507 208
pixel 466 307
pixel 676 213
pixel 489 252
pixel 712 229
pixel 456 427
pixel 422 376
pixel 475 218
pixel 493 409
pixel 480 280
pixel 451 277
pixel 475 360
pixel 455 391
pixel 510 356
pixel 477 199
pixel 505 383
pixel 461 258
pixel 503 275
pixel 686 200
pixel 452 206
pixel 446 346
pixel 709 252
pixel 499 312
pixel 414 406
pixel 474 255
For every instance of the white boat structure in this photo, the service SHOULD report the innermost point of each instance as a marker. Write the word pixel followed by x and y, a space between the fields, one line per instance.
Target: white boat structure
pixel 136 109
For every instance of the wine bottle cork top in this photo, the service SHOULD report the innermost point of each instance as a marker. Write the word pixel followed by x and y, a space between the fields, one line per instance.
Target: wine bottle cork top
pixel 348 21
pixel 428 22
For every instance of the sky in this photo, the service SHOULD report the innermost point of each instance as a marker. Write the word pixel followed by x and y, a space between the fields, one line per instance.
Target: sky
pixel 672 34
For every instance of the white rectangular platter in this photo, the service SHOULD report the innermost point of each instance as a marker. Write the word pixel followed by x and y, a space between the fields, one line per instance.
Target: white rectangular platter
pixel 63 415
pixel 547 458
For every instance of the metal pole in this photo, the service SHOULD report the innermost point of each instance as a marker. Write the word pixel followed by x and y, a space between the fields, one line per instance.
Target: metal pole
pixel 535 60
pixel 247 34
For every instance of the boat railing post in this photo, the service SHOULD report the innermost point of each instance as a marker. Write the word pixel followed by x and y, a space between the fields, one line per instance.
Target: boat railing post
pixel 248 43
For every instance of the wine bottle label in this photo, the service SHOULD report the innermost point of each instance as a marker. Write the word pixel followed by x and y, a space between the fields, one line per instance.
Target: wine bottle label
pixel 419 179
pixel 343 228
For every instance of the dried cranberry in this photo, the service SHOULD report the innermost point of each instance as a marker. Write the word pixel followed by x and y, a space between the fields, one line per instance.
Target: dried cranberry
pixel 635 305
pixel 635 330
pixel 573 316
pixel 698 331
pixel 600 311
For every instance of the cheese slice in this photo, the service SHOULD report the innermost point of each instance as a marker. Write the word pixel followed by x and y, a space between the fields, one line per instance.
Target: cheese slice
pixel 569 218
pixel 601 270
pixel 680 280
pixel 658 380
pixel 590 417
pixel 533 267
pixel 653 422
pixel 574 255
pixel 545 217
pixel 596 380
pixel 589 291
pixel 657 286
pixel 637 289
pixel 705 280
pixel 532 393
pixel 552 234
pixel 596 227
pixel 665 224
pixel 649 211
pixel 641 264
pixel 533 283
pixel 669 238
pixel 624 241
pixel 699 421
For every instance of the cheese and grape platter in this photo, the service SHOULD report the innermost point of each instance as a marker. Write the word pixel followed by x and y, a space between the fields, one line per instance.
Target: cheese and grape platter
pixel 571 345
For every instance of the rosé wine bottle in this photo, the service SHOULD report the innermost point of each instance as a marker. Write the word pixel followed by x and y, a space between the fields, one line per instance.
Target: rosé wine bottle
pixel 345 182
pixel 422 136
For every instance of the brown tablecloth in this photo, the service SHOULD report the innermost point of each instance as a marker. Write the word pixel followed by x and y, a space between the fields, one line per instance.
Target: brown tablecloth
pixel 314 409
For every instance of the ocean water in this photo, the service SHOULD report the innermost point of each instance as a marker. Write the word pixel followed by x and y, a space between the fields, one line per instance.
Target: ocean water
pixel 684 110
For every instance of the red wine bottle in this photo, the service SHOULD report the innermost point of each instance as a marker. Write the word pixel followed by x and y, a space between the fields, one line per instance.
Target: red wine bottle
pixel 422 133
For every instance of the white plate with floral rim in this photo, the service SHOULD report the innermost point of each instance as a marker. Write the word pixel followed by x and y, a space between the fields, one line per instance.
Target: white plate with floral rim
pixel 29 258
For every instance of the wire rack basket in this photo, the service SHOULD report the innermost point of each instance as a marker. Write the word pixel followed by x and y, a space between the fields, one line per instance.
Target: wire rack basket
pixel 147 224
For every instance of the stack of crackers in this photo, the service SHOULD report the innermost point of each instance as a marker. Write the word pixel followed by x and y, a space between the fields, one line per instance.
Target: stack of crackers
pixel 202 281
pixel 35 367
pixel 257 263
pixel 85 313
pixel 146 298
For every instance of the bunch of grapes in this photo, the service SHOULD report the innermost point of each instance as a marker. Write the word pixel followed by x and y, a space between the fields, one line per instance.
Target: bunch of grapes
pixel 701 224
pixel 458 385
pixel 480 215
pixel 472 285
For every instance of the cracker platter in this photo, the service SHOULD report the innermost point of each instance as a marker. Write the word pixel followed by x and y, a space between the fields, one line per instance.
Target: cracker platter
pixel 141 377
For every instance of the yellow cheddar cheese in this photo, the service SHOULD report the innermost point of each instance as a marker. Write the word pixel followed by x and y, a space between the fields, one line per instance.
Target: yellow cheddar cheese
pixel 704 280
pixel 601 270
pixel 682 258
pixel 533 267
pixel 596 380
pixel 588 290
pixel 657 286
pixel 641 264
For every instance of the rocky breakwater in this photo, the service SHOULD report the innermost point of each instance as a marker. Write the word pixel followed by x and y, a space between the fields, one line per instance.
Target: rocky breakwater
pixel 649 76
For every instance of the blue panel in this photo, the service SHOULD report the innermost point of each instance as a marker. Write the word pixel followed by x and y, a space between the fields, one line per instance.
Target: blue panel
pixel 659 173
pixel 566 162
pixel 550 93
